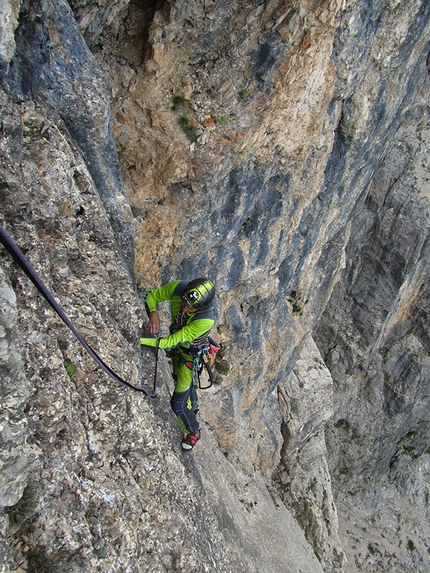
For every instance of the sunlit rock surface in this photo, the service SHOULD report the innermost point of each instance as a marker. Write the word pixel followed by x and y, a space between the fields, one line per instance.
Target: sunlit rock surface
pixel 253 143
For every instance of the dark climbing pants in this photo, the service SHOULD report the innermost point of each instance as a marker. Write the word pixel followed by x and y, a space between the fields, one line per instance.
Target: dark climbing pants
pixel 184 399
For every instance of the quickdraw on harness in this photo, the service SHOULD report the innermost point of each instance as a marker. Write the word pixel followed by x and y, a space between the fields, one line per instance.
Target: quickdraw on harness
pixel 26 266
pixel 201 351
pixel 203 356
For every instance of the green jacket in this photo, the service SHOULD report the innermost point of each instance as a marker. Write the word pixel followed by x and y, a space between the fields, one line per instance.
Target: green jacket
pixel 195 326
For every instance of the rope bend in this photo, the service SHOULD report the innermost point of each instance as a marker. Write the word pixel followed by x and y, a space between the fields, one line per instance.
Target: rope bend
pixel 28 269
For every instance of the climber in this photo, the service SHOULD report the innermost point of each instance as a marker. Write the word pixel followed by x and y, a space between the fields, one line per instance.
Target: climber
pixel 192 317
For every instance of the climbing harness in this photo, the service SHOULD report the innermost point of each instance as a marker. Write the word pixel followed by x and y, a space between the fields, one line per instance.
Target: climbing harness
pixel 202 350
pixel 201 356
pixel 26 266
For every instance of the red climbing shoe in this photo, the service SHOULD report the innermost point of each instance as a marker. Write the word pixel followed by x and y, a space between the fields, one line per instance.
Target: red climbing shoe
pixel 190 441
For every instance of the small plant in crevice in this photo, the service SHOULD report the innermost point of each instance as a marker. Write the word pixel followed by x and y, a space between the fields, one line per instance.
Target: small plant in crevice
pixel 70 368
pixel 297 304
pixel 77 179
pixel 222 367
pixel 219 120
pixel 137 211
pixel 242 94
pixel 308 522
pixel 338 558
pixel 295 406
pixel 32 129
pixel 177 101
pixel 188 128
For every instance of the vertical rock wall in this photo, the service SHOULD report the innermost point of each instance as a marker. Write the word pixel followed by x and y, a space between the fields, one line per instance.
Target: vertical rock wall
pixel 247 140
pixel 247 135
pixel 374 338
pixel 52 62
pixel 92 474
pixel 262 196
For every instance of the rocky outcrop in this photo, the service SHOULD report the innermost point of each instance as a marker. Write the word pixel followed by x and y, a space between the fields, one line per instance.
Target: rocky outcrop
pixel 250 139
pixel 50 208
pixel 92 473
pixel 52 63
pixel 303 477
pixel 374 338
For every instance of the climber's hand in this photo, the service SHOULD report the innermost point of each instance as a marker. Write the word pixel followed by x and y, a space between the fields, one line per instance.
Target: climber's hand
pixel 154 322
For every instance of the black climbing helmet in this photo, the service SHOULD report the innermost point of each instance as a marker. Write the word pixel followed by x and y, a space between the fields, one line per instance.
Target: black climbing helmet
pixel 198 293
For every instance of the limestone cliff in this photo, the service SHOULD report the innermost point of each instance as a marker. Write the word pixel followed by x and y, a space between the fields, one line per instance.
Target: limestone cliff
pixel 252 142
pixel 374 337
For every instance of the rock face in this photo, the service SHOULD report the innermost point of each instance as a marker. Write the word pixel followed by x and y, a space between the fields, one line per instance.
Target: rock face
pixel 374 337
pixel 92 474
pixel 52 62
pixel 303 476
pixel 251 142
